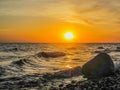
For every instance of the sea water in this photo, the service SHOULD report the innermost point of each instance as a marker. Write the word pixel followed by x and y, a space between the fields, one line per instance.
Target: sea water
pixel 76 55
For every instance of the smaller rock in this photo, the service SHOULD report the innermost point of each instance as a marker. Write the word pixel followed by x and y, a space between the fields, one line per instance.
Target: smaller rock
pixel 70 87
pixel 51 54
pixel 61 85
pixel 53 88
pixel 100 48
pixel 117 49
pixel 68 73
pixel 73 81
pixel 13 49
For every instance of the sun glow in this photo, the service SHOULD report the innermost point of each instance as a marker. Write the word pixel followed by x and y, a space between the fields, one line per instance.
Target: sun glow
pixel 69 35
pixel 68 66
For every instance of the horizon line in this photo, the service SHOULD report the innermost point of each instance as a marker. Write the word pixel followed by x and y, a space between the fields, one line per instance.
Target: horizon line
pixel 61 42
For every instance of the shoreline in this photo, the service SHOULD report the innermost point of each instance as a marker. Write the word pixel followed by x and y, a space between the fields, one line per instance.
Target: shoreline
pixel 45 82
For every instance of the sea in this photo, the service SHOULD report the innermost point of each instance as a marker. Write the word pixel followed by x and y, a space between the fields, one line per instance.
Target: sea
pixel 26 53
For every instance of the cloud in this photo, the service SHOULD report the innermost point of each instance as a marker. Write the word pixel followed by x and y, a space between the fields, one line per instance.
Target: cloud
pixel 97 11
pixel 88 12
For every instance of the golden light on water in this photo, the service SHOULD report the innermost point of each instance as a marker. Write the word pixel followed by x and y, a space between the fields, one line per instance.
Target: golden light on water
pixel 68 66
pixel 68 35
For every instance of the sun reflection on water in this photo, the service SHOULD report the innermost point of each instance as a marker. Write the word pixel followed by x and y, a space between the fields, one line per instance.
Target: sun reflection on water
pixel 68 66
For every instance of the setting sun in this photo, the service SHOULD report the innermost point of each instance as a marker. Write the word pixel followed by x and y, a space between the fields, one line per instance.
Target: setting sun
pixel 68 35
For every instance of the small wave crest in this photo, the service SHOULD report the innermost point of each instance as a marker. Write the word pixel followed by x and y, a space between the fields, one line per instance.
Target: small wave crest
pixel 21 62
pixel 2 70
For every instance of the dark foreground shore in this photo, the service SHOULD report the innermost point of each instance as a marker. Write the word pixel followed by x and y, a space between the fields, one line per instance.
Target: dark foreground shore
pixel 107 83
pixel 45 82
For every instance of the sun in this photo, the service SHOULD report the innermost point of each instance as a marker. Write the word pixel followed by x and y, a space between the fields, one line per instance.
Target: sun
pixel 69 35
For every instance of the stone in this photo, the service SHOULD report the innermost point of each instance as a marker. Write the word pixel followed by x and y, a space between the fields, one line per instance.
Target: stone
pixel 100 66
pixel 13 49
pixel 68 73
pixel 61 85
pixel 51 54
pixel 117 49
pixel 100 48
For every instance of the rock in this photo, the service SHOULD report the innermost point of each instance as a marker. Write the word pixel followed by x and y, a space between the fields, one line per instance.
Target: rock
pixel 68 73
pixel 48 76
pixel 63 74
pixel 76 71
pixel 13 49
pixel 117 49
pixel 53 88
pixel 51 54
pixel 100 48
pixel 70 87
pixel 98 67
pixel 28 84
pixel 111 82
pixel 73 81
pixel 61 85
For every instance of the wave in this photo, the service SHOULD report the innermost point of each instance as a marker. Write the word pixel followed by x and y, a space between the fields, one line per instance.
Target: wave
pixel 21 62
pixel 2 70
pixel 16 49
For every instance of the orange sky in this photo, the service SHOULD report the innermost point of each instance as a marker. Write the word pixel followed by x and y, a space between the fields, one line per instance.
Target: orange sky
pixel 46 21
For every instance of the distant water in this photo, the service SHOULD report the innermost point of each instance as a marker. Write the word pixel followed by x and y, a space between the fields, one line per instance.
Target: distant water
pixel 76 55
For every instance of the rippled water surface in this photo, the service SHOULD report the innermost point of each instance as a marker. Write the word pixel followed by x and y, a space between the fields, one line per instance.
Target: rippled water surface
pixel 76 55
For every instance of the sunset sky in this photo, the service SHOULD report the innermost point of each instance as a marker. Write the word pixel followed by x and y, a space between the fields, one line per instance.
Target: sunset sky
pixel 47 21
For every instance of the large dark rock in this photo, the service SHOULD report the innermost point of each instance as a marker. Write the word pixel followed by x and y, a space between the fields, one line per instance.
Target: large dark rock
pixel 51 54
pixel 98 67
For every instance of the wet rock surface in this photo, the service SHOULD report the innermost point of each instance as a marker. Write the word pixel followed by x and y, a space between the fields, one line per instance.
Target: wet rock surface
pixel 64 74
pixel 100 66
pixel 51 54
pixel 69 73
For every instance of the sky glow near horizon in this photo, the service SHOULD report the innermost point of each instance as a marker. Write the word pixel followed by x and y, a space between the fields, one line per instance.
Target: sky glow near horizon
pixel 48 20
